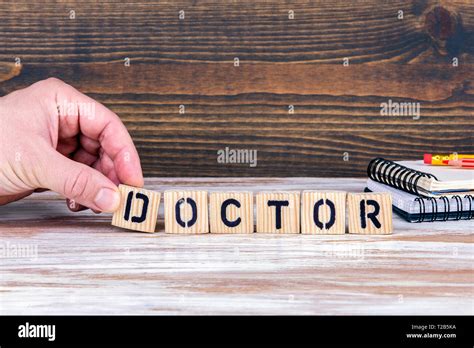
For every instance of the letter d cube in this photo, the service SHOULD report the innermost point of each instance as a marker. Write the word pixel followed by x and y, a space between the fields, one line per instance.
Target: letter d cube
pixel 138 209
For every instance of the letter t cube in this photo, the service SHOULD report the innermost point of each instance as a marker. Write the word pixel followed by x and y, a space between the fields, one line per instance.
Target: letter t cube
pixel 278 212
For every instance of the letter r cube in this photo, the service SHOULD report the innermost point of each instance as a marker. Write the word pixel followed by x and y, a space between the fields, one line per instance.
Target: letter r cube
pixel 370 213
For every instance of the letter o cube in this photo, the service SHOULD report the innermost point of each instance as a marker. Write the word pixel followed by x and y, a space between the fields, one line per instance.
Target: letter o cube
pixel 186 212
pixel 323 212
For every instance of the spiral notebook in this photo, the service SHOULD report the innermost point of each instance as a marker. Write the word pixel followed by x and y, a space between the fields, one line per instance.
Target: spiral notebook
pixel 420 179
pixel 418 209
pixel 447 191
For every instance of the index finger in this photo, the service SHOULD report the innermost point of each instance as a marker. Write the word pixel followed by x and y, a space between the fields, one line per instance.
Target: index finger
pixel 79 113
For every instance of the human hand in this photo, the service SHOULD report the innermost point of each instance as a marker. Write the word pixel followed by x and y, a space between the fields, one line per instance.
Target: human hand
pixel 54 137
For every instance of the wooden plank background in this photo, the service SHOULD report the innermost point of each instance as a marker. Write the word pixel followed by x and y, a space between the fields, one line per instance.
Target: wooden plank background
pixel 282 62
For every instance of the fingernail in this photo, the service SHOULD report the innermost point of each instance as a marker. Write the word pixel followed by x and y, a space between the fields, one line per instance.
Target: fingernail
pixel 107 200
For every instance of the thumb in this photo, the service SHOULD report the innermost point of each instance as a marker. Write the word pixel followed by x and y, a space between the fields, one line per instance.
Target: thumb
pixel 79 182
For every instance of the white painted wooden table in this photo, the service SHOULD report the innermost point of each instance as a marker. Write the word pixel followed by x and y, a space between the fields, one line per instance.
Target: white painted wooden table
pixel 77 263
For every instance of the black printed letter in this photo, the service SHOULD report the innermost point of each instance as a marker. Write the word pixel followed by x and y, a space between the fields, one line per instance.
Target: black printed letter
pixel 332 217
pixel 128 207
pixel 226 203
pixel 278 205
pixel 372 216
pixel 193 205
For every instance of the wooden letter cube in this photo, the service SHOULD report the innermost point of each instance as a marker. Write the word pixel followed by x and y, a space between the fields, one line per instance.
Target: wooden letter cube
pixel 278 212
pixel 186 212
pixel 138 209
pixel 323 212
pixel 370 213
pixel 231 212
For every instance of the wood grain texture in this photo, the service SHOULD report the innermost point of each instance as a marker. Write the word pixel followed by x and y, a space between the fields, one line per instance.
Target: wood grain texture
pixel 322 31
pixel 356 214
pixel 323 213
pixel 76 263
pixel 137 209
pixel 243 213
pixel 282 62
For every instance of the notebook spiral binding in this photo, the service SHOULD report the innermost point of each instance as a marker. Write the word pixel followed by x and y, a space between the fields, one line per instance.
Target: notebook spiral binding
pixel 396 175
pixel 406 179
pixel 445 214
